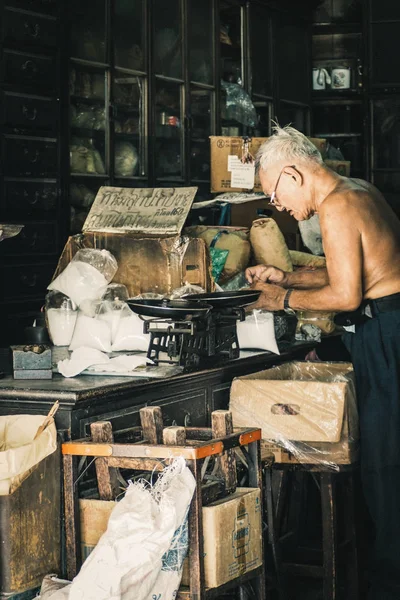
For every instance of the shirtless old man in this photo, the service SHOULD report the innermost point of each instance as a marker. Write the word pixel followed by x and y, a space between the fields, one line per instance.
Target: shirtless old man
pixel 361 240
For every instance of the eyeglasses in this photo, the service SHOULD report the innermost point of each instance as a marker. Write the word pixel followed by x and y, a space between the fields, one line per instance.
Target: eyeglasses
pixel 272 199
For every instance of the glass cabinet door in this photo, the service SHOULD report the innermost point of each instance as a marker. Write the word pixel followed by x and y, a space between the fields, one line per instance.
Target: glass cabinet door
pixel 129 125
pixel 201 128
pixel 231 68
pixel 167 31
pixel 200 39
pixel 88 30
pixel 87 121
pixel 129 39
pixel 168 129
pixel 386 148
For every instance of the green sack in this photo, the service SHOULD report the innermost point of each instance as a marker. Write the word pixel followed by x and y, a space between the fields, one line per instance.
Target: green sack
pixel 218 260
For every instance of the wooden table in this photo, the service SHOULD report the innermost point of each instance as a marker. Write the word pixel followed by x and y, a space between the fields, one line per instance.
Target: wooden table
pixel 185 399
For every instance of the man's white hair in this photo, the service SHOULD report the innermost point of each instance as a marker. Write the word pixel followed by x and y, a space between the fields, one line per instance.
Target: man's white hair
pixel 287 144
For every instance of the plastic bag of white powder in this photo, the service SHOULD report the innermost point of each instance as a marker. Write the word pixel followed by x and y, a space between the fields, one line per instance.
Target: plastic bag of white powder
pixel 87 275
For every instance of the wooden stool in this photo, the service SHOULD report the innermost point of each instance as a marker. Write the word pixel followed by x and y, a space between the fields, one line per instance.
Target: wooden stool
pixel 196 445
pixel 280 481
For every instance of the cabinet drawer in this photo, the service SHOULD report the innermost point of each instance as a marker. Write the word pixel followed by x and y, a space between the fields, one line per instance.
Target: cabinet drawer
pixel 29 198
pixel 189 409
pixel 25 156
pixel 29 112
pixel 25 281
pixel 47 7
pixel 120 420
pixel 31 70
pixel 29 28
pixel 35 238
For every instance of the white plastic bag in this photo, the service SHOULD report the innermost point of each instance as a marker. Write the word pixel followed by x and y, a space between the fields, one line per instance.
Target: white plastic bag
pixel 86 276
pixel 91 332
pixel 19 451
pixel 128 334
pixel 141 554
pixel 257 332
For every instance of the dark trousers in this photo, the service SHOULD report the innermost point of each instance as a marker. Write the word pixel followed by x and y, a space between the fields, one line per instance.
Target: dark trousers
pixel 375 352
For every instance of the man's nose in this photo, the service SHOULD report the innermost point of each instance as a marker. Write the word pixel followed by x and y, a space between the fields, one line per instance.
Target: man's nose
pixel 279 207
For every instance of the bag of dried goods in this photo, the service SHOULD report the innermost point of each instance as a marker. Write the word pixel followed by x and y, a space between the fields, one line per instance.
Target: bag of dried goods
pixel 269 245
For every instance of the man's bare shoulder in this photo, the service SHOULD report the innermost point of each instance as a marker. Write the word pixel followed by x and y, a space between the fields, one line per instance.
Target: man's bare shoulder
pixel 351 196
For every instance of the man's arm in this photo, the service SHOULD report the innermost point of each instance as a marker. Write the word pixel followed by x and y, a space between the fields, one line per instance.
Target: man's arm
pixel 343 251
pixel 306 279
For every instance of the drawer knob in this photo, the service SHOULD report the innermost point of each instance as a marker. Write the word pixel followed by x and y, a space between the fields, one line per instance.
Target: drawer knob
pixel 30 68
pixel 32 199
pixel 32 29
pixel 29 113
pixel 32 157
pixel 29 280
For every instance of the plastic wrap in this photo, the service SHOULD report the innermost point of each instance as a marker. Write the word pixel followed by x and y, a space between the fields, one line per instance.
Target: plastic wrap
pixel 307 412
pixel 321 319
pixel 86 276
pixel 94 326
pixel 257 332
pixel 127 333
pixel 61 314
pixel 239 106
pixel 185 290
pixel 116 291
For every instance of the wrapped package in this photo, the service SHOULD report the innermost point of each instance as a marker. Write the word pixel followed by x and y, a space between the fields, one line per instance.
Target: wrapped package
pixel 322 319
pixel 126 159
pixel 257 332
pixel 303 259
pixel 307 411
pixel 269 246
pixel 86 276
pixel 234 240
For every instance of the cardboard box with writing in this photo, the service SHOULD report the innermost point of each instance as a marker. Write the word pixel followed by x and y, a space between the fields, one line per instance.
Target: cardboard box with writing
pixel 306 410
pixel 224 147
pixel 232 534
pixel 232 531
pixel 141 228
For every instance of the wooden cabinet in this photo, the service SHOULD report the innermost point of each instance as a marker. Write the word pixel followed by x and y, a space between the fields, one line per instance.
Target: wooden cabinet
pixel 339 101
pixel 30 174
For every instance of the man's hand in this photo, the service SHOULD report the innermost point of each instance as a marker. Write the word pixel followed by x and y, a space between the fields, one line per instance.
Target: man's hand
pixel 265 274
pixel 271 298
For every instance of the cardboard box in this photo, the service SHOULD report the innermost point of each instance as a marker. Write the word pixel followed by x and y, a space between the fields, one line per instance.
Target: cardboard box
pixel 342 167
pixel 141 228
pixel 298 402
pixel 223 147
pixel 94 515
pixel 232 532
pixel 345 452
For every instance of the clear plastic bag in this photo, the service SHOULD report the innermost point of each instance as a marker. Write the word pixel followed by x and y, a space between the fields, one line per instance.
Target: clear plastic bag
pixel 87 275
pixel 307 412
pixel 128 333
pixel 239 106
pixel 321 319
pixel 257 332
pixel 61 315
pixel 185 290
pixel 116 291
pixel 93 328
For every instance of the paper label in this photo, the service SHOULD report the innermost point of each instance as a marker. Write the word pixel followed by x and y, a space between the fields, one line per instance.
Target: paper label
pixel 233 161
pixel 243 176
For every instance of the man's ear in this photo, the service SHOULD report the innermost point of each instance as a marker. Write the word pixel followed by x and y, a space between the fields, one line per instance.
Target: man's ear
pixel 295 175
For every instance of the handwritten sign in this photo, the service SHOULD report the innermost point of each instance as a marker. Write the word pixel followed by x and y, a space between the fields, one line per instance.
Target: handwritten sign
pixel 160 211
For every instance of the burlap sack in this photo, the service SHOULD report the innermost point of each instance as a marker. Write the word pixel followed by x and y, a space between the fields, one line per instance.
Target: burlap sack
pixel 269 245
pixel 236 241
pixel 303 259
